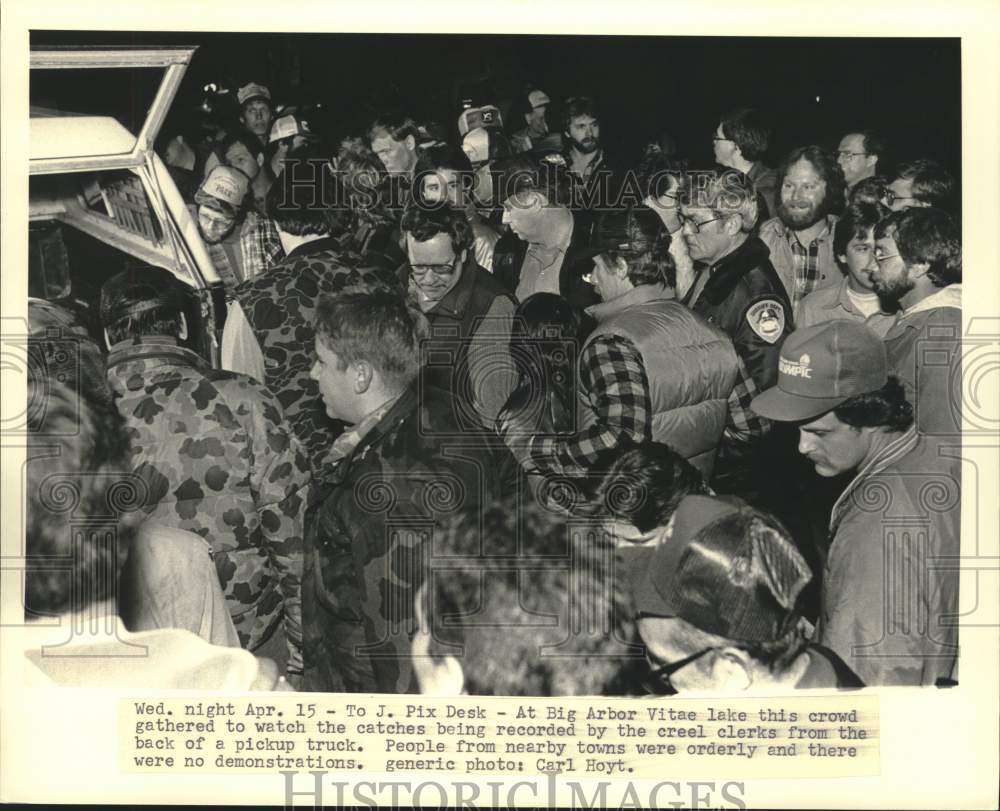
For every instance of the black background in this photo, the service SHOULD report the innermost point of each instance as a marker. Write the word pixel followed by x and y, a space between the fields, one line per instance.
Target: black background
pixel 908 88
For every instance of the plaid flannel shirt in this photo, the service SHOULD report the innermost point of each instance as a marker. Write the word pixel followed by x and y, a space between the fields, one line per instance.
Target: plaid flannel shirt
pixel 806 265
pixel 743 425
pixel 613 379
pixel 261 245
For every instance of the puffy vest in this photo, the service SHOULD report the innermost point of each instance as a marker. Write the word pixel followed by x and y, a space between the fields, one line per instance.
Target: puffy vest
pixel 690 364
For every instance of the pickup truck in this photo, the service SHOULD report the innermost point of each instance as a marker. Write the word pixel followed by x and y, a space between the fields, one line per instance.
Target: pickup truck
pixel 100 198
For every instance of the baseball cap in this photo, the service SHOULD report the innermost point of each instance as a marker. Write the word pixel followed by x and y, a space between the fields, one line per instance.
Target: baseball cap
pixel 727 569
pixel 822 366
pixel 537 98
pixel 252 91
pixel 479 117
pixel 138 290
pixel 226 184
pixel 289 125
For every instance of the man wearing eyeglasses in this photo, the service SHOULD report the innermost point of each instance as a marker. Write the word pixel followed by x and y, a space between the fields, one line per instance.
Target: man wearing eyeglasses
pixel 469 312
pixel 918 256
pixel 920 184
pixel 740 142
pixel 715 601
pixel 858 155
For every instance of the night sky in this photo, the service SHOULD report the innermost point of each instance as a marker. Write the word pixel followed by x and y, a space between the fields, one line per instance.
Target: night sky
pixel 908 88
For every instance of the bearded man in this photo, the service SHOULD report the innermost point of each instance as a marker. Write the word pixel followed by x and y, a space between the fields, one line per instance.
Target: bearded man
pixel 810 196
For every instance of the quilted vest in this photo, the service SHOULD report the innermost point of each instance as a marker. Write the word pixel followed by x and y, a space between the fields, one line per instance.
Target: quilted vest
pixel 690 364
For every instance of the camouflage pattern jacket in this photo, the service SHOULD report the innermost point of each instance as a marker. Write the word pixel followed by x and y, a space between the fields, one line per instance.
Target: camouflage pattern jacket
pixel 219 460
pixel 366 552
pixel 280 306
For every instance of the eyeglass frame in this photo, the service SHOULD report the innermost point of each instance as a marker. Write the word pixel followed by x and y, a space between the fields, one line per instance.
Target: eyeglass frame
pixel 890 197
pixel 434 269
pixel 842 152
pixel 660 676
pixel 880 259
pixel 695 225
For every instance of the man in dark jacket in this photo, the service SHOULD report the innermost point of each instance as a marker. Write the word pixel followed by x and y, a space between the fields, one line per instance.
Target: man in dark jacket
pixel 738 290
pixel 386 480
pixel 469 312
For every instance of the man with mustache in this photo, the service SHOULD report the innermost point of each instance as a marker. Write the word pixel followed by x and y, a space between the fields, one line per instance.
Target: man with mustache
pixel 886 592
pixel 800 238
pixel 595 182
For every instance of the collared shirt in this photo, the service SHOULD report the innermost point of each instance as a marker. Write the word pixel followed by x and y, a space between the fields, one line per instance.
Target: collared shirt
pixel 542 264
pixel 837 304
pixel 801 268
pixel 261 245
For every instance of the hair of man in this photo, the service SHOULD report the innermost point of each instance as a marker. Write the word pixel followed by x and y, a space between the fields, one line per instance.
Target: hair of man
pixel 644 249
pixel 826 166
pixel 375 324
pixel 726 192
pixel 426 223
pixel 750 129
pixel 645 484
pixel 886 407
pixel 926 236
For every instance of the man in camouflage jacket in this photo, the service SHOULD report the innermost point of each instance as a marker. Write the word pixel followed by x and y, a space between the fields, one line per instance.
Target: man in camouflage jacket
pixel 269 332
pixel 215 454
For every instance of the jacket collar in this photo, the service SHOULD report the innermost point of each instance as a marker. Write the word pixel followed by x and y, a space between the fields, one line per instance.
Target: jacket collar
pixel 314 246
pixel 154 347
pixel 725 273
pixel 897 448
pixel 357 440
pixel 643 294
pixel 950 296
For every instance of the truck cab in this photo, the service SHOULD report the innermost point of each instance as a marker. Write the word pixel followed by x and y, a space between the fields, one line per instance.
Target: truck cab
pixel 100 198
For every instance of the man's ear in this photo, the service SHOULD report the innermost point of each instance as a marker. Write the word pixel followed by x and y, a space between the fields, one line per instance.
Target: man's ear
pixel 621 267
pixel 918 270
pixel 411 143
pixel 734 224
pixel 462 257
pixel 364 374
pixel 182 327
pixel 731 669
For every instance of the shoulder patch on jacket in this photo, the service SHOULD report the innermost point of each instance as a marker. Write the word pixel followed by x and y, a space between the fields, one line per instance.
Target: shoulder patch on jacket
pixel 767 319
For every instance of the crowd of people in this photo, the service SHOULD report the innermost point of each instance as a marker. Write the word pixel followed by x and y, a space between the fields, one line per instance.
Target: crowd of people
pixel 502 412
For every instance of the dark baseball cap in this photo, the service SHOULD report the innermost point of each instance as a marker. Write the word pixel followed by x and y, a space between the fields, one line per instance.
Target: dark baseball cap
pixel 727 569
pixel 822 366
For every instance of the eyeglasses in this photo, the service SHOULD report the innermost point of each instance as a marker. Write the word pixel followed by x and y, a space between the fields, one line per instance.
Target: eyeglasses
pixel 880 258
pixel 657 681
pixel 695 225
pixel 843 153
pixel 891 197
pixel 441 271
